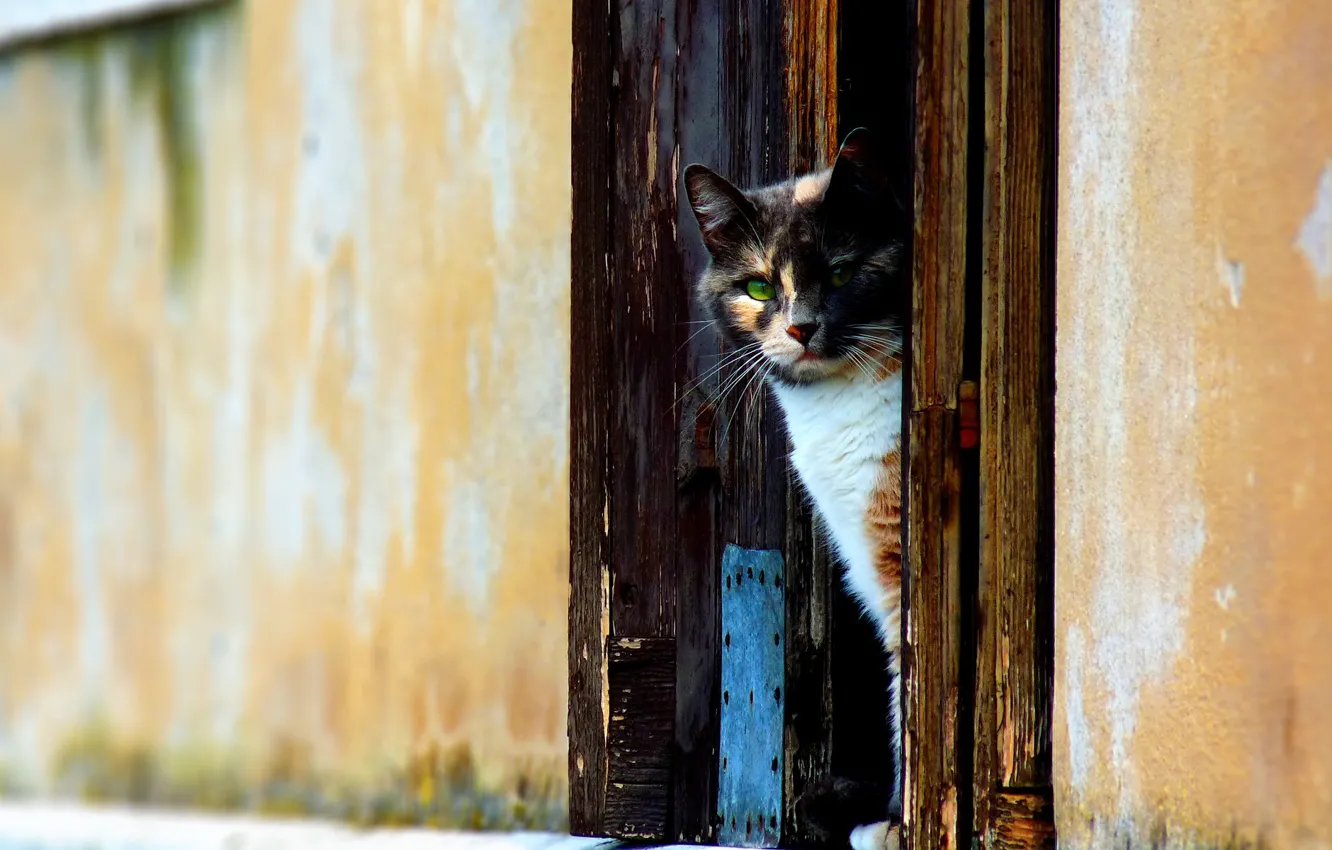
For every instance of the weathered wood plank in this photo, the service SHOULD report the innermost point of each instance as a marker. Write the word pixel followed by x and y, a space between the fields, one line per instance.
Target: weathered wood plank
pixel 939 292
pixel 810 31
pixel 641 702
pixel 1015 660
pixel 933 478
pixel 647 304
pixel 697 90
pixel 754 151
pixel 636 812
pixel 810 103
pixel 645 308
pixel 1022 821
pixel 932 651
pixel 589 576
pixel 641 699
pixel 808 747
pixel 697 712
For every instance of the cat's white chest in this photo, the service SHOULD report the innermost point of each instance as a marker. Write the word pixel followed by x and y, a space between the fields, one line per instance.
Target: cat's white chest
pixel 841 432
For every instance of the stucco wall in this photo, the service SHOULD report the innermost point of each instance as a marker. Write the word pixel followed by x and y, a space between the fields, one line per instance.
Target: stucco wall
pixel 283 403
pixel 1194 417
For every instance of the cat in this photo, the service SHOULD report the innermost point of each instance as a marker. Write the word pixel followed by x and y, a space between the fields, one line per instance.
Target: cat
pixel 806 280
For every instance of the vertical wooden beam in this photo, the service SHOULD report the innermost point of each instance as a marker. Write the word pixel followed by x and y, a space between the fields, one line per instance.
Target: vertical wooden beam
pixel 698 617
pixel 697 90
pixel 810 33
pixel 808 730
pixel 646 305
pixel 629 304
pixel 933 475
pixel 809 100
pixel 1015 658
pixel 589 565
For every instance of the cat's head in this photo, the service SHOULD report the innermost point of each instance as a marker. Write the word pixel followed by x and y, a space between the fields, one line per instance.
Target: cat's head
pixel 808 272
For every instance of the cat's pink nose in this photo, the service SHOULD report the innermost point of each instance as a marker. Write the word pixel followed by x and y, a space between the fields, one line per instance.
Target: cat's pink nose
pixel 803 333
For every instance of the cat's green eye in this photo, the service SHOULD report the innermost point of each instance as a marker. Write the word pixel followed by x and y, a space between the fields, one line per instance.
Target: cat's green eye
pixel 760 290
pixel 841 274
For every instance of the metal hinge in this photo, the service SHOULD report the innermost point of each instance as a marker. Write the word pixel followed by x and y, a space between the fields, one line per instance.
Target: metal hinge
pixel 968 415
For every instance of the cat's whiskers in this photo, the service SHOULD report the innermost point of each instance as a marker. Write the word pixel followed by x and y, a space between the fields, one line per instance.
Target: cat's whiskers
pixel 875 327
pixel 741 369
pixel 877 333
pixel 877 345
pixel 760 389
pixel 860 360
pixel 874 364
pixel 733 379
pixel 737 359
pixel 705 323
pixel 885 346
pixel 751 368
pixel 882 335
pixel 727 358
pixel 754 373
pixel 756 397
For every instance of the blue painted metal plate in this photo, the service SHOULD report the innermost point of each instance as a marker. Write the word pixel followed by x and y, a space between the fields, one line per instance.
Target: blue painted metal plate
pixel 753 678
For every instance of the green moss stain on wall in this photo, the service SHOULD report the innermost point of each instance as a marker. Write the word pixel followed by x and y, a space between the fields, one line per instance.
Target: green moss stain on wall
pixel 81 54
pixel 164 64
pixel 164 58
pixel 159 75
pixel 438 787
pixel 86 53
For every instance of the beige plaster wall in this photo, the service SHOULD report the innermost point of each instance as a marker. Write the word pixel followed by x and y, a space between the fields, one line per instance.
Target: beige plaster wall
pixel 283 402
pixel 1194 418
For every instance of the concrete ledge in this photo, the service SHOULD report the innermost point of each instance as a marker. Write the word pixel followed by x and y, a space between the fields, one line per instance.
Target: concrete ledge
pixel 23 21
pixel 56 826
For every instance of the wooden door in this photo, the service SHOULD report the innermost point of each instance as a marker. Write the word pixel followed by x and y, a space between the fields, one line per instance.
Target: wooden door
pixel 675 493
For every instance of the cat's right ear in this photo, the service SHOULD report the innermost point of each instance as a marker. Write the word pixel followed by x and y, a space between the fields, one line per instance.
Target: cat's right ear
pixel 858 175
pixel 724 213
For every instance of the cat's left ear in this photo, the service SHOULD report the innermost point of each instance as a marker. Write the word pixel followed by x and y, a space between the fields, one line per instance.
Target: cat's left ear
pixel 724 213
pixel 858 175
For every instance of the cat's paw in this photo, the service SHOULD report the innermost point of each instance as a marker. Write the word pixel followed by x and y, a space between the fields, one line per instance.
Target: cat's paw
pixel 883 835
pixel 831 807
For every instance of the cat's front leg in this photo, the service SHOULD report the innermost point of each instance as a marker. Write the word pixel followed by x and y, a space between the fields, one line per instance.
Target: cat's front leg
pixel 883 835
pixel 886 834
